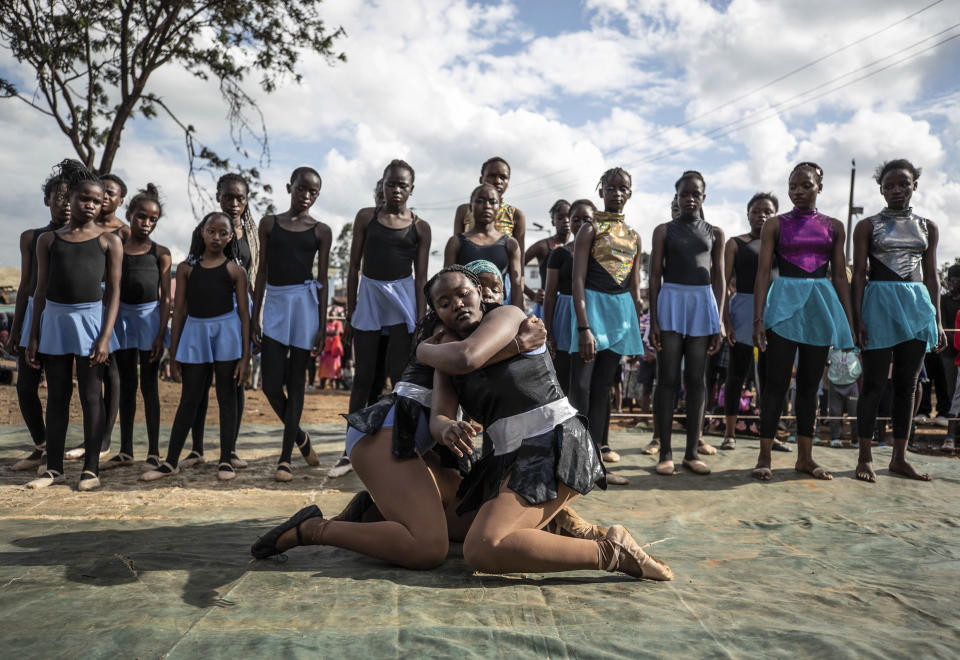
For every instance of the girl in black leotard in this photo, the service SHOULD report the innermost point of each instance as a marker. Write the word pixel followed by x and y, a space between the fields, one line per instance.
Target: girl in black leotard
pixel 294 308
pixel 740 266
pixel 391 246
pixel 141 328
pixel 558 293
pixel 56 198
pixel 484 241
pixel 114 192
pixel 232 195
pixel 686 293
pixel 210 333
pixel 75 327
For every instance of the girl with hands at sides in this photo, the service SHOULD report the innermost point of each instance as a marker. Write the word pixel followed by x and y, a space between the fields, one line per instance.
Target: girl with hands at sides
pixel 57 199
pixel 293 303
pixel 484 241
pixel 686 295
pixel 72 322
pixel 558 293
pixel 607 307
pixel 740 260
pixel 897 312
pixel 509 219
pixel 210 335
pixel 141 328
pixel 542 456
pixel 801 315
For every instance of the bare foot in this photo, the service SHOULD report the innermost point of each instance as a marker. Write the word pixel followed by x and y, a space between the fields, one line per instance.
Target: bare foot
pixel 865 471
pixel 811 468
pixel 901 467
pixel 665 467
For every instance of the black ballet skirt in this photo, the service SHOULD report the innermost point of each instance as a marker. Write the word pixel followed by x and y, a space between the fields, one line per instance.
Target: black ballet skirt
pixel 407 415
pixel 564 454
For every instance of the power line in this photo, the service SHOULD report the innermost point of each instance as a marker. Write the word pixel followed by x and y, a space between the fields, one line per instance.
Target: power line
pixel 446 203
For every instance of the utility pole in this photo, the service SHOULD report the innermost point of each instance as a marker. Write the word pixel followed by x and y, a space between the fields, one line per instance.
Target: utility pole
pixel 851 211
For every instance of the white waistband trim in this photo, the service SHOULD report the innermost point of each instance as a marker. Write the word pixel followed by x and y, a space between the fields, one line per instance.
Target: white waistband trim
pixel 420 394
pixel 508 433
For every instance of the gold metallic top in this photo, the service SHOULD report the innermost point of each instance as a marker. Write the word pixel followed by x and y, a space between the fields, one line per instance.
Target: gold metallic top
pixel 615 245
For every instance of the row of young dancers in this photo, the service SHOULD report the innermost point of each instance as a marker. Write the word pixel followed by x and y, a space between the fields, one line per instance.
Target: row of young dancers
pixel 511 508
pixel 685 254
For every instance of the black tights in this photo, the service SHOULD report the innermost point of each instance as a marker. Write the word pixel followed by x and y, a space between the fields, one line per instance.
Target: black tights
pixel 284 370
pixel 28 388
pixel 907 360
pixel 127 361
pixel 810 362
pixel 561 364
pixel 196 382
pixel 366 344
pixel 59 370
pixel 741 362
pixel 590 390
pixel 111 400
pixel 693 352
pixel 312 369
pixel 196 431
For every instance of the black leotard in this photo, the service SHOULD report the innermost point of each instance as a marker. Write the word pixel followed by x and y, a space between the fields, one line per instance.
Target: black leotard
pixel 496 253
pixel 562 260
pixel 290 257
pixel 140 281
pixel 33 250
pixel 388 253
pixel 75 270
pixel 507 388
pixel 745 263
pixel 686 248
pixel 209 291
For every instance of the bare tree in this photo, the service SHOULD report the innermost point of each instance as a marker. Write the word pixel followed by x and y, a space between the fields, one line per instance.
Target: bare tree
pixel 93 61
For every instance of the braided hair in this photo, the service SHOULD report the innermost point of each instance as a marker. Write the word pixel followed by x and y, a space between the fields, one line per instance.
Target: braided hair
pixel 690 175
pixel 453 268
pixel 74 173
pixel 246 218
pixel 556 206
pixel 52 183
pixel 813 167
pixel 149 193
pixel 612 172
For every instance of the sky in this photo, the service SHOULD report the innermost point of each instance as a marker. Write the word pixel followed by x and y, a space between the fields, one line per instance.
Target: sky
pixel 740 90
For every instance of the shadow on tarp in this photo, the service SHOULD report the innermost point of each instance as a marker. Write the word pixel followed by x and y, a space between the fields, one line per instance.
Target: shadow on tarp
pixel 214 556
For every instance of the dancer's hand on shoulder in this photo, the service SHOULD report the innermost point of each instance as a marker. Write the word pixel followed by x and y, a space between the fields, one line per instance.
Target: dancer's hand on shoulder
pixel 457 437
pixel 531 334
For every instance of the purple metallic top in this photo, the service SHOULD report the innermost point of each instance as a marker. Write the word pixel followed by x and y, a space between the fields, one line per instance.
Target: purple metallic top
pixel 806 239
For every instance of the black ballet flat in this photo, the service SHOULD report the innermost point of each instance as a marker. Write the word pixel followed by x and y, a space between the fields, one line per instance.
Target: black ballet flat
pixel 266 545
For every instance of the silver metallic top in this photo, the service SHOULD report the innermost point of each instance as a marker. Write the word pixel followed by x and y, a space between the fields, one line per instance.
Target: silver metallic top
pixel 899 240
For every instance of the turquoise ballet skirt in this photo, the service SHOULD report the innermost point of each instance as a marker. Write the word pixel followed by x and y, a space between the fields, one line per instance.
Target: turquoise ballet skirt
pixel 895 312
pixel 807 311
pixel 613 321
